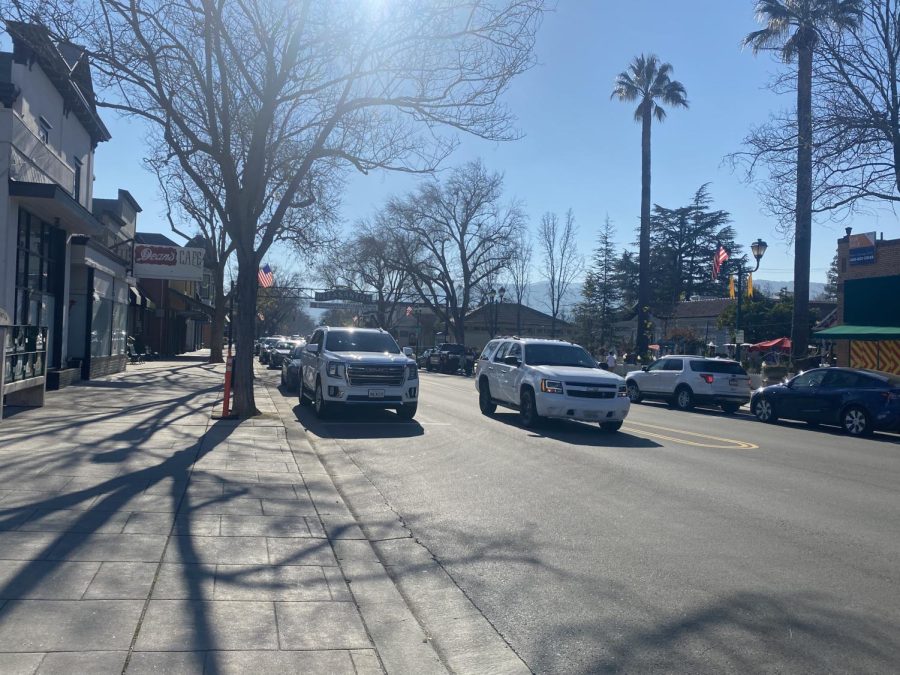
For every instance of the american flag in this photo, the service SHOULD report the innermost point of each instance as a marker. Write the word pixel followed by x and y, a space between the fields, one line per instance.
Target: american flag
pixel 265 276
pixel 409 311
pixel 719 258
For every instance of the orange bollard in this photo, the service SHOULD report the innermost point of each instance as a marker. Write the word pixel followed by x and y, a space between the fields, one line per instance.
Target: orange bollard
pixel 226 401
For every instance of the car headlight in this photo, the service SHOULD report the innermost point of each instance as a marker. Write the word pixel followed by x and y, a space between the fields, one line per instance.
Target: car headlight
pixel 551 386
pixel 335 369
pixel 623 391
pixel 412 371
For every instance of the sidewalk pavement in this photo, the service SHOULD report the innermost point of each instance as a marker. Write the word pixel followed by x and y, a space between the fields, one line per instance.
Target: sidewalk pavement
pixel 138 535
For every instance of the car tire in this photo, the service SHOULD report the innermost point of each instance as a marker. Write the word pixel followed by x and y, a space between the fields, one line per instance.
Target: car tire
pixel 610 427
pixel 856 422
pixel 730 408
pixel 407 411
pixel 764 410
pixel 634 391
pixel 320 405
pixel 684 398
pixel 528 409
pixel 485 403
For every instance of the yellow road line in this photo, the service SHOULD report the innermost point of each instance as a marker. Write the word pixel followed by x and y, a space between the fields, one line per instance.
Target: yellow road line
pixel 731 443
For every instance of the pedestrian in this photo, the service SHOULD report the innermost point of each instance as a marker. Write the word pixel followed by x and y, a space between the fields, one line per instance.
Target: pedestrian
pixel 611 361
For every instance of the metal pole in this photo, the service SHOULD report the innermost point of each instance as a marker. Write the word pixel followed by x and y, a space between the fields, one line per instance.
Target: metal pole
pixel 737 319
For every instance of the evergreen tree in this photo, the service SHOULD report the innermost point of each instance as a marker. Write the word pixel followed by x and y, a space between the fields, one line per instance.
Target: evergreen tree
pixel 601 294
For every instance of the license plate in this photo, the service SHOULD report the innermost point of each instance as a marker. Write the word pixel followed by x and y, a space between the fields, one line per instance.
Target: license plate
pixel 376 393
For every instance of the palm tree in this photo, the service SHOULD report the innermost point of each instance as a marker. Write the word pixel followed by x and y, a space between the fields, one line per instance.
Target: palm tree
pixel 793 27
pixel 648 81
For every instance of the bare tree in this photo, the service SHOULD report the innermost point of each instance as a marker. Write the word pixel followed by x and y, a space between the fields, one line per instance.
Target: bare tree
pixel 281 96
pixel 520 274
pixel 452 236
pixel 279 309
pixel 562 262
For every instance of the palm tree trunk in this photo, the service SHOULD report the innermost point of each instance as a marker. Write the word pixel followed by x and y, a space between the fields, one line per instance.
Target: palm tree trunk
pixel 803 228
pixel 643 341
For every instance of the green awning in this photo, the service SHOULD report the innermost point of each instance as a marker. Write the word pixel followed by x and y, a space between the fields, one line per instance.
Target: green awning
pixel 858 333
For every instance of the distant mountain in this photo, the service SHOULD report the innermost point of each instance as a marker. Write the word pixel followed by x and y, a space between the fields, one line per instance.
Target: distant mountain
pixel 538 295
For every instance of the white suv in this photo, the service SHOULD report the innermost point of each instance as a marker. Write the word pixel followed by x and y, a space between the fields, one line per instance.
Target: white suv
pixel 357 366
pixel 689 380
pixel 549 378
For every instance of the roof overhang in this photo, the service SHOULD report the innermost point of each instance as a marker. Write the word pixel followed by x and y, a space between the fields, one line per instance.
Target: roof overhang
pixel 858 333
pixel 54 204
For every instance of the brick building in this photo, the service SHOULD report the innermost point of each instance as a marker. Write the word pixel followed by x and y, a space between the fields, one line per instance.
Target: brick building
pixel 866 333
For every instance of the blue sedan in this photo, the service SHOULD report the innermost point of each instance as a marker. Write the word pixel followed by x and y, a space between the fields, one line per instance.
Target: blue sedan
pixel 857 400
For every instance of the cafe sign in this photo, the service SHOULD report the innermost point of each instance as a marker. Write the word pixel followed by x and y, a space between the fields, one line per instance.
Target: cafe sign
pixel 168 262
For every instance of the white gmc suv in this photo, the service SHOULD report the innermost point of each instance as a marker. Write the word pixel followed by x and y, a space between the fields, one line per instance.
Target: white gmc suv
pixel 357 366
pixel 549 378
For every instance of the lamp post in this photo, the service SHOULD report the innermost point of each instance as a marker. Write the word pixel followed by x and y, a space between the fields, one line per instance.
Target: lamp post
pixel 491 295
pixel 418 313
pixel 758 248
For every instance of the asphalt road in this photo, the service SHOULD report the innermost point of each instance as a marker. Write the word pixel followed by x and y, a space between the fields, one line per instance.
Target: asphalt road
pixel 687 542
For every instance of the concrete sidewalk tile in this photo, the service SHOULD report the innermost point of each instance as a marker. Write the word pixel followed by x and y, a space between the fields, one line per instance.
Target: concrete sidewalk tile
pixel 263 490
pixel 288 507
pixel 354 550
pixel 166 663
pixel 20 663
pixel 12 499
pixel 96 663
pixel 320 625
pixel 13 519
pixel 43 483
pixel 221 505
pixel 109 547
pixel 188 625
pixel 342 528
pixel 45 579
pixel 198 526
pixel 402 643
pixel 238 663
pixel 68 625
pixel 340 591
pixel 383 526
pixel 300 551
pixel 171 487
pixel 213 550
pixel 203 475
pixel 272 582
pixel 280 478
pixel 26 545
pixel 370 583
pixel 185 582
pixel 122 581
pixel 148 523
pixel 75 521
pixel 366 662
pixel 264 526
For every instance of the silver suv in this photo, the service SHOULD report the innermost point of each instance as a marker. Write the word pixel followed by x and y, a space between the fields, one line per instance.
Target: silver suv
pixel 688 380
pixel 357 367
pixel 549 378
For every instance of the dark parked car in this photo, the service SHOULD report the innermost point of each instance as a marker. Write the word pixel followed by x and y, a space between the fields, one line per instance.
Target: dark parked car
pixel 266 346
pixel 446 358
pixel 280 351
pixel 859 401
pixel 290 368
pixel 422 361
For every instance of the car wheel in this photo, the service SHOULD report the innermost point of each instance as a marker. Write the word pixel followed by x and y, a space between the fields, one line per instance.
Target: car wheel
pixel 320 405
pixel 855 421
pixel 684 398
pixel 528 409
pixel 488 407
pixel 730 408
pixel 408 411
pixel 634 391
pixel 610 426
pixel 764 410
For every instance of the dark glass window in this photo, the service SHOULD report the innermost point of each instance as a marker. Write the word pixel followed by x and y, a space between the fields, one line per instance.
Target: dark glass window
pixel 674 364
pixel 714 366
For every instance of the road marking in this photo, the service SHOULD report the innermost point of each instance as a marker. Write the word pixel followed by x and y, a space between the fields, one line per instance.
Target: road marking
pixel 731 443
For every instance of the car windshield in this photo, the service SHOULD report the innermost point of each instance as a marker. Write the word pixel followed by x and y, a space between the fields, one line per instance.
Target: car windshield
pixel 558 355
pixel 359 341
pixel 285 345
pixel 713 366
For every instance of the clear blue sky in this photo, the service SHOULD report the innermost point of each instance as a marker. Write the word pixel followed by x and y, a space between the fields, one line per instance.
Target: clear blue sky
pixel 581 149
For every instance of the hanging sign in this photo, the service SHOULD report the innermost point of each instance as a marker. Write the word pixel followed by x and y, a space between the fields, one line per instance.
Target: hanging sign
pixel 168 262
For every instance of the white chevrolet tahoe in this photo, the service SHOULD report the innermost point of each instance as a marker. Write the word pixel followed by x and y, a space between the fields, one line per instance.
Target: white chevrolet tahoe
pixel 549 378
pixel 357 366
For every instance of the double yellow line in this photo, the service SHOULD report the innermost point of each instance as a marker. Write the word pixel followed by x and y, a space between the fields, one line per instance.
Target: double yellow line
pixel 723 443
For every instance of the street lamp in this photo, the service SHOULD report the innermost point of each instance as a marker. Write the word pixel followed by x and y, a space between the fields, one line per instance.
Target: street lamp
pixel 491 295
pixel 758 249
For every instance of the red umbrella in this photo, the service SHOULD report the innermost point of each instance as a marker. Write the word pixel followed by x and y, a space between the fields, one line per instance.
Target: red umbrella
pixel 783 344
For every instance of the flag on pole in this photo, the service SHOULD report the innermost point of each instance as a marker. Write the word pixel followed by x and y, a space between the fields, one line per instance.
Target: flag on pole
pixel 265 276
pixel 731 286
pixel 719 258
pixel 750 285
pixel 409 310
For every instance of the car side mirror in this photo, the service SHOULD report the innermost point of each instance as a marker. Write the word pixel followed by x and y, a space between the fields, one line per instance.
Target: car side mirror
pixel 512 361
pixel 645 368
pixel 312 348
pixel 408 351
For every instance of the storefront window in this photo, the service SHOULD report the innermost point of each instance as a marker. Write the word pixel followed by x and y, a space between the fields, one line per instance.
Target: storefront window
pixel 120 328
pixel 101 327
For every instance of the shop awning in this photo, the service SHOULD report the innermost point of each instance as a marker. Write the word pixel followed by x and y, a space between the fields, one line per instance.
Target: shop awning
pixel 859 333
pixel 50 201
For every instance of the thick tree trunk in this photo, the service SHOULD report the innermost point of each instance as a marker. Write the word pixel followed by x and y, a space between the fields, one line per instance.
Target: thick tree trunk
pixel 643 313
pixel 244 331
pixel 803 228
pixel 217 330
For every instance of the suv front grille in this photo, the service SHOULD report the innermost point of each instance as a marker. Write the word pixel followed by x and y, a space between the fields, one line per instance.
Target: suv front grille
pixel 590 394
pixel 388 376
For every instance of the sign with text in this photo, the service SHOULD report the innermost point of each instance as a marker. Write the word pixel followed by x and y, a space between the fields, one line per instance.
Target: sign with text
pixel 862 248
pixel 168 262
pixel 345 295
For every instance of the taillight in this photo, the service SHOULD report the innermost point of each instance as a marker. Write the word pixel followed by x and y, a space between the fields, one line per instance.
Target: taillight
pixel 707 378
